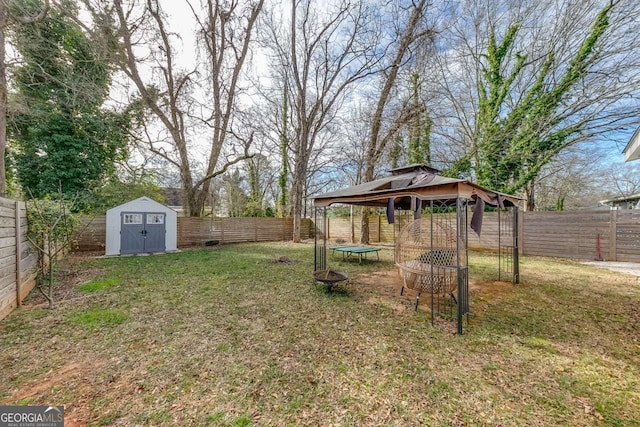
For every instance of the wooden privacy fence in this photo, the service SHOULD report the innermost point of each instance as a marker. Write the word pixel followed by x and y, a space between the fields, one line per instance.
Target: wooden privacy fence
pixel 579 234
pixel 197 231
pixel 574 234
pixel 18 261
pixel 568 234
pixel 380 231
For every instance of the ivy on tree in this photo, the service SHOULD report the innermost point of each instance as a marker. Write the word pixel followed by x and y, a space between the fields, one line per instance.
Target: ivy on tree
pixel 63 136
pixel 514 141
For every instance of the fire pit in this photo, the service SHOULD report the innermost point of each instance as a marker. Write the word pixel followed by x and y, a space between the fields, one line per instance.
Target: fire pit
pixel 329 277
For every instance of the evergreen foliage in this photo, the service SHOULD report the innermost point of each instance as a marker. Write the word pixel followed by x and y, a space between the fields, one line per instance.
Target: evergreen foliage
pixel 62 134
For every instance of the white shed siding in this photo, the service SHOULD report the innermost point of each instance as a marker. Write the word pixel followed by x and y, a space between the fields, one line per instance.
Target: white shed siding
pixel 142 204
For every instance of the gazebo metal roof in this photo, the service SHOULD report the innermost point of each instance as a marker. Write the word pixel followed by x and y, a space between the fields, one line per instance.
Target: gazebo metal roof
pixel 415 182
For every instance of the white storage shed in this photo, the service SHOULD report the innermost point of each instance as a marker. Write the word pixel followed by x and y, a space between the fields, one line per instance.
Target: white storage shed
pixel 141 226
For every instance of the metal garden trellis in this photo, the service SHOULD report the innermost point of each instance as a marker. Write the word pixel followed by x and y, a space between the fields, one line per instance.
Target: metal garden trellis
pixel 433 262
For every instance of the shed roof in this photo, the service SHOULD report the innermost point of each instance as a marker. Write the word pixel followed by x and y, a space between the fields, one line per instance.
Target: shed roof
pixel 414 182
pixel 144 201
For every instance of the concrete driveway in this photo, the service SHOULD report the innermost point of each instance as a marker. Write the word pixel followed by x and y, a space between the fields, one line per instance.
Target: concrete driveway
pixel 623 267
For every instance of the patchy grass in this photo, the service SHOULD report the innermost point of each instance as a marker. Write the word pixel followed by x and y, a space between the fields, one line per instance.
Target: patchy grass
pixel 99 285
pixel 98 317
pixel 234 336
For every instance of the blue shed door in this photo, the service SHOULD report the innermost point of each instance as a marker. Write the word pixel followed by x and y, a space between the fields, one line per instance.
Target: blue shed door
pixel 142 232
pixel 155 233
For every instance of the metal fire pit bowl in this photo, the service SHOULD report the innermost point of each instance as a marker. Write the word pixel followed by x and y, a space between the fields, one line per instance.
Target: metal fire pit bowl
pixel 329 278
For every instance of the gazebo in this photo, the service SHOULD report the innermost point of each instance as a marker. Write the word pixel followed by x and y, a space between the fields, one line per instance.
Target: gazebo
pixel 431 252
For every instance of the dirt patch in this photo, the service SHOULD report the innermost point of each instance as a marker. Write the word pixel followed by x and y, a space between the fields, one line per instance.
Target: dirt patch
pixel 72 375
pixel 50 379
pixel 384 287
pixel 490 290
pixel 68 276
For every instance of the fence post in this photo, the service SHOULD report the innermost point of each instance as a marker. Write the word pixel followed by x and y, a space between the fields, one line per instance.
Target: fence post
pixel 18 252
pixel 255 229
pixel 613 235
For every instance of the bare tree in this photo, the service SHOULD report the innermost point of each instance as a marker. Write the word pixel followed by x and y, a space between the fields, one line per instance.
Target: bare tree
pixel 383 131
pixel 620 179
pixel 571 181
pixel 261 177
pixel 146 53
pixel 320 55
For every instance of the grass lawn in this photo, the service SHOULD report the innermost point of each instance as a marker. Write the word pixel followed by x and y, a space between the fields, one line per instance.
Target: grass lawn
pixel 238 335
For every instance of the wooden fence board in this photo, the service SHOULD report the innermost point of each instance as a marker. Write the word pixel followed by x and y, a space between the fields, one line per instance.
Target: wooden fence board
pixel 7 260
pixel 571 234
pixel 561 234
pixel 7 286
pixel 8 280
pixel 7 251
pixel 13 291
pixel 7 305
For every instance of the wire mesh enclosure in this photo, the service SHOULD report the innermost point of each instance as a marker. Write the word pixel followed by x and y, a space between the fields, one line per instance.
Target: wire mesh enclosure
pixel 508 245
pixel 431 256
pixel 320 239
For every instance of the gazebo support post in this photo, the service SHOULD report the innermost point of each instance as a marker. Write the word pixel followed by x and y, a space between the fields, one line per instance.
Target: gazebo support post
pixel 320 239
pixel 431 278
pixel 516 249
pixel 500 261
pixel 462 276
pixel 508 255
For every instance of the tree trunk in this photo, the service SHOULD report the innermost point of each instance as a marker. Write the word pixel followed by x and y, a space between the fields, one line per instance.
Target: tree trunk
pixel 193 205
pixel 364 226
pixel 3 98
pixel 296 200
pixel 51 278
pixel 531 201
pixel 368 177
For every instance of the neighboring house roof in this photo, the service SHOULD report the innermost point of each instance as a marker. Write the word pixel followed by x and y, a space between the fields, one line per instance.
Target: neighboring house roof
pixel 413 182
pixel 632 150
pixel 622 199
